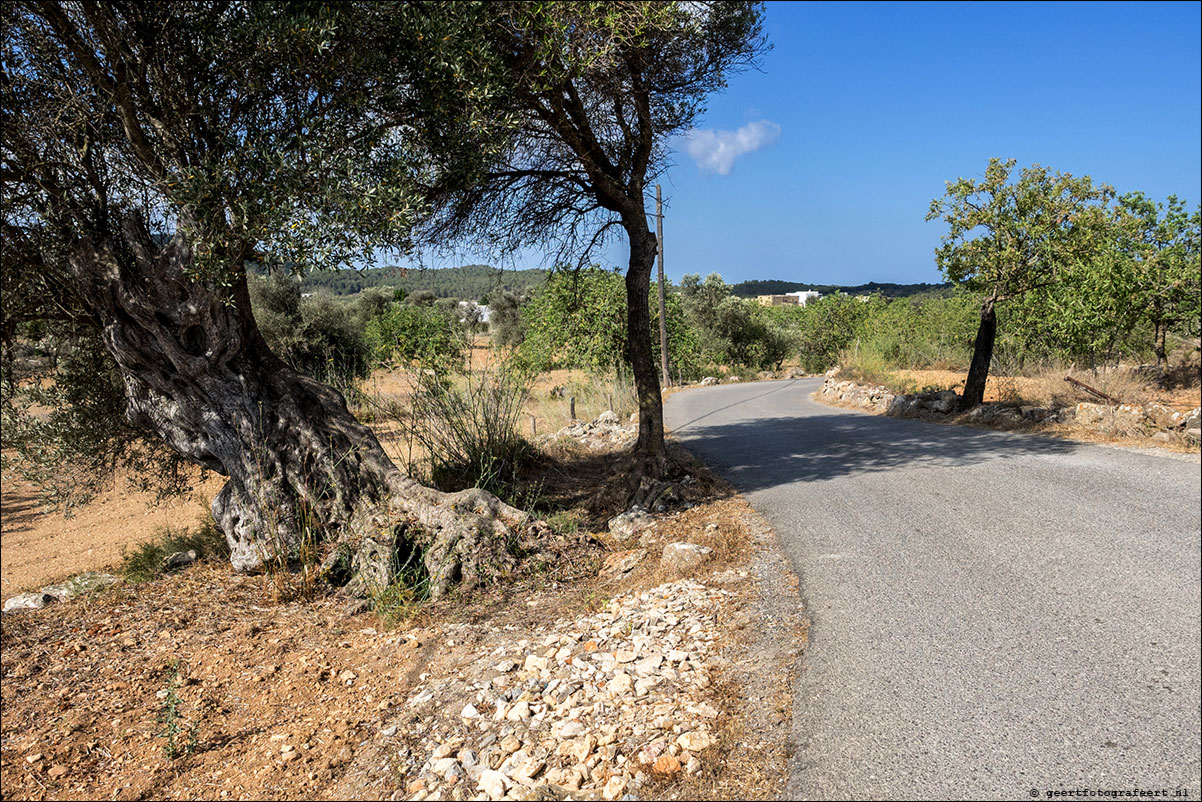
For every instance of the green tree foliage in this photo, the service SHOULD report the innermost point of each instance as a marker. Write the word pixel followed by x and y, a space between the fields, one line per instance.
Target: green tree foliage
pixel 1088 316
pixel 506 321
pixel 1159 267
pixel 577 320
pixel 407 334
pixel 931 331
pixel 827 326
pixel 748 335
pixel 684 349
pixel 316 335
pixel 1009 237
pixel 734 331
pixel 701 299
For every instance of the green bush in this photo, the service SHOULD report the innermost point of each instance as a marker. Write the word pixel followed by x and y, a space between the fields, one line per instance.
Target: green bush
pixel 828 325
pixel 145 562
pixel 701 300
pixel 577 319
pixel 407 333
pixel 317 335
pixel 685 361
pixel 731 331
pixel 922 332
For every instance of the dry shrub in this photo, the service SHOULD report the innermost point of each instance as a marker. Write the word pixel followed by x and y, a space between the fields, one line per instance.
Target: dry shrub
pixel 1047 387
pixel 866 365
pixel 729 543
pixel 469 426
pixel 1120 382
pixel 1007 390
pixel 1045 384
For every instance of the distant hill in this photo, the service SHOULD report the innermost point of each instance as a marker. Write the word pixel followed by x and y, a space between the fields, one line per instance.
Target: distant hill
pixel 750 289
pixel 469 282
pixel 477 281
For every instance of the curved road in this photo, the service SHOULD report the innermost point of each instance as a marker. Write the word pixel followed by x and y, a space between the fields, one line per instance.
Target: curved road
pixel 992 615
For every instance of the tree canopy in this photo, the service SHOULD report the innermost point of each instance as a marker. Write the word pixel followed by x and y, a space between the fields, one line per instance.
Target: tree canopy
pixel 153 152
pixel 598 89
pixel 1008 237
pixel 279 133
pixel 1160 265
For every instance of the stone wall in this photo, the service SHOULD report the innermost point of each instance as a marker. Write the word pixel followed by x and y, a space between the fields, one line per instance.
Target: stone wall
pixel 1152 421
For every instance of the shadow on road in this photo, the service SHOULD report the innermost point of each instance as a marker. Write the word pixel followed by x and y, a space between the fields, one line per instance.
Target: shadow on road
pixel 768 452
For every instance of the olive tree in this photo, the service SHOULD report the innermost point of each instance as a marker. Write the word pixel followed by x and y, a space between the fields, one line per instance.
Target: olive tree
pixel 1009 237
pixel 152 151
pixel 599 90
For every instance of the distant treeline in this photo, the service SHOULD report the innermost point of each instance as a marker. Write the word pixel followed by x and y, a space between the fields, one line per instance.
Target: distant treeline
pixel 750 289
pixel 473 282
pixel 480 281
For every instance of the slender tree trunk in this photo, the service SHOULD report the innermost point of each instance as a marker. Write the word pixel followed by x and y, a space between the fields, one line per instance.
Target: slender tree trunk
pixel 982 355
pixel 649 449
pixel 199 375
pixel 1162 356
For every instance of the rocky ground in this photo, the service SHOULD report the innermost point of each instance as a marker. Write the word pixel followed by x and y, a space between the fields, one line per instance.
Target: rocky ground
pixel 653 661
pixel 1137 424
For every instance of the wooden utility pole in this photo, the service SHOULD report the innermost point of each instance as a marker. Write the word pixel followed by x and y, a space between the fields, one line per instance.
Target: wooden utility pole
pixel 663 323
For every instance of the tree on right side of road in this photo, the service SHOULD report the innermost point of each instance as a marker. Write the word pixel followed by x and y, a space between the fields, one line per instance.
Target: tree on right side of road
pixel 1007 237
pixel 1161 265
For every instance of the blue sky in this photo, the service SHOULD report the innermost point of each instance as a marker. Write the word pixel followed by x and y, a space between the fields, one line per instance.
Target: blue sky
pixel 863 110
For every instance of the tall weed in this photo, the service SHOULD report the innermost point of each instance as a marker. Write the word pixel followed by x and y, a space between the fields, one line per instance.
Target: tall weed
pixel 866 364
pixel 468 425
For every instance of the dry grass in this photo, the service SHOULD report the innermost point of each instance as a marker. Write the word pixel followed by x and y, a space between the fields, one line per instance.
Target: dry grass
pixel 550 401
pixel 385 403
pixel 1047 387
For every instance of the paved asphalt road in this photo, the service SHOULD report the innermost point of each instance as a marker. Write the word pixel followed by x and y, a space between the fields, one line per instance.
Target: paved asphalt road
pixel 993 615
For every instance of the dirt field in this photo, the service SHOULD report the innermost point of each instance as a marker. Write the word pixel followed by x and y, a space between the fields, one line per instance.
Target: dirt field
pixel 38 548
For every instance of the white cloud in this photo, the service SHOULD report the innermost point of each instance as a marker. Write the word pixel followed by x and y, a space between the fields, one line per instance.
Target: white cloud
pixel 717 150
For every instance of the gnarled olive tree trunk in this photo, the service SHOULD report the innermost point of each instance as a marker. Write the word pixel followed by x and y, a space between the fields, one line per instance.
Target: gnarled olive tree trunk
pixel 199 375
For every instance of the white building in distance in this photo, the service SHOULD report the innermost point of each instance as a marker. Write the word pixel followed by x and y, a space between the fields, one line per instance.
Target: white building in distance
pixel 805 296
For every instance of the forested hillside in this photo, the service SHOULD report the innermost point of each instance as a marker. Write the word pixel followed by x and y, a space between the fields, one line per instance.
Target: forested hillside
pixel 478 281
pixel 750 289
pixel 472 282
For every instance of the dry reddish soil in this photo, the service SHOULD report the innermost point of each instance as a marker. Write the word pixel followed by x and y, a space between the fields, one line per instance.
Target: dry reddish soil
pixel 40 547
pixel 293 700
